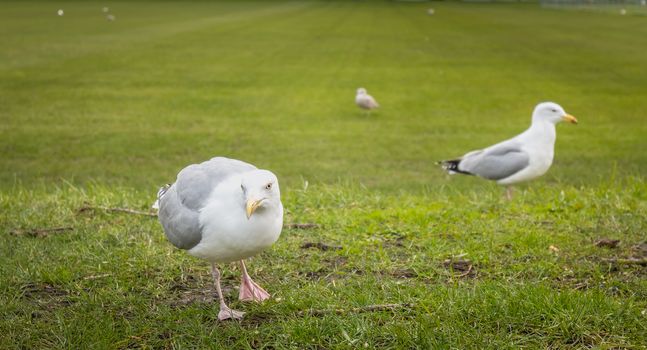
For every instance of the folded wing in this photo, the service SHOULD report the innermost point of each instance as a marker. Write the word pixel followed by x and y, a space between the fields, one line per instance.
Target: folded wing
pixel 180 205
pixel 496 162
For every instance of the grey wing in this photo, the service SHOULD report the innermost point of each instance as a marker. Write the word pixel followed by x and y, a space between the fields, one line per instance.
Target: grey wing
pixel 496 162
pixel 180 205
pixel 181 224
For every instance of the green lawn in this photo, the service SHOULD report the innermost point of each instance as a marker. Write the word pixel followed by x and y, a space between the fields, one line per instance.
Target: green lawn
pixel 101 113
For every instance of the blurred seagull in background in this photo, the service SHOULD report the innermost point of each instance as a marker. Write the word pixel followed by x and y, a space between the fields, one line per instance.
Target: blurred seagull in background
pixel 223 210
pixel 365 101
pixel 521 158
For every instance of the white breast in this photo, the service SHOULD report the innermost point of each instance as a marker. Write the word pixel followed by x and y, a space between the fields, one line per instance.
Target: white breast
pixel 538 165
pixel 227 234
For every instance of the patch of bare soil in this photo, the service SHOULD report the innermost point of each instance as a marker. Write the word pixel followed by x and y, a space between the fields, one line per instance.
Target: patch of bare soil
pixel 302 226
pixel 334 262
pixel 460 268
pixel 46 295
pixel 637 257
pixel 639 250
pixel 188 290
pixel 403 273
pixel 191 297
pixel 40 232
pixel 316 274
pixel 320 246
pixel 607 243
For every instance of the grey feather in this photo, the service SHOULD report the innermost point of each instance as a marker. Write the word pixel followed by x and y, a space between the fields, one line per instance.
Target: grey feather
pixel 180 205
pixel 496 162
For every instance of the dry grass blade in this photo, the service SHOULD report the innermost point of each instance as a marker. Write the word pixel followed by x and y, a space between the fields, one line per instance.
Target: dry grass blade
pixel 94 277
pixel 627 261
pixel 469 270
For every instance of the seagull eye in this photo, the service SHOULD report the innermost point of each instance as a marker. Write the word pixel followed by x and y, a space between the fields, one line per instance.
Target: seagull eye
pixel 268 186
pixel 554 110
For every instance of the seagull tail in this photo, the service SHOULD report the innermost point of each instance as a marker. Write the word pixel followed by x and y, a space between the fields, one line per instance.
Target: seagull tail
pixel 160 194
pixel 451 167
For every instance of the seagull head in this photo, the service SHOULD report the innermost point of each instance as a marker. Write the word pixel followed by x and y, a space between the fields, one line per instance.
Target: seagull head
pixel 361 91
pixel 260 191
pixel 552 113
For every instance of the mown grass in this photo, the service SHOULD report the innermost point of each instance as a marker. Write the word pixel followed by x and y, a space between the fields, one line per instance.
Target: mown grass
pixel 114 281
pixel 102 113
pixel 131 102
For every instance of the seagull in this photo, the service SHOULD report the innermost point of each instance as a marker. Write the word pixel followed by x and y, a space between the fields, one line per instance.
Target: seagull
pixel 223 210
pixel 521 158
pixel 364 100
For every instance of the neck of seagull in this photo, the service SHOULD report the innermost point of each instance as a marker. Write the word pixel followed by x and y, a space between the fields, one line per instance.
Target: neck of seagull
pixel 542 131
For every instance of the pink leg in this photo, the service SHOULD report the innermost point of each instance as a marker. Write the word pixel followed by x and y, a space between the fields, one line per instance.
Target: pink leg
pixel 249 290
pixel 508 192
pixel 225 312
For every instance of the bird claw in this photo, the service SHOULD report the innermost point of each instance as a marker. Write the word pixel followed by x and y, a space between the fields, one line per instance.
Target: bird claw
pixel 227 313
pixel 250 291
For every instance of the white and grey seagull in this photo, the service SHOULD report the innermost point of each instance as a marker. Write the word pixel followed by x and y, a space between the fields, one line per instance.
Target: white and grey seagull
pixel 365 101
pixel 223 210
pixel 521 158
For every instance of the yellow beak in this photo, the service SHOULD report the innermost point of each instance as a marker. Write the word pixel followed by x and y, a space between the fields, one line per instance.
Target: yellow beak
pixel 251 207
pixel 569 118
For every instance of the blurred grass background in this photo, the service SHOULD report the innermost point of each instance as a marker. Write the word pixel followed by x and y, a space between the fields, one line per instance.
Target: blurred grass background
pixel 131 102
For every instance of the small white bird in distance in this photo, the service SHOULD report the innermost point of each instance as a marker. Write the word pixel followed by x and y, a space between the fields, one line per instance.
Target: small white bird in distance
pixel 365 101
pixel 105 10
pixel 110 18
pixel 521 158
pixel 60 12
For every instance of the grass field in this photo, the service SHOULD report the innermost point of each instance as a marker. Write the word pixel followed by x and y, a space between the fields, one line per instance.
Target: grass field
pixel 101 113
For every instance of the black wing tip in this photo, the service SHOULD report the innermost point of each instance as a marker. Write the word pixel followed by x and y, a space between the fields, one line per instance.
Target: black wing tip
pixel 451 166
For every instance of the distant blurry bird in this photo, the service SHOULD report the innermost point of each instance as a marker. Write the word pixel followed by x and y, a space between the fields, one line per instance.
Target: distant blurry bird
pixel 623 12
pixel 431 11
pixel 365 101
pixel 110 18
pixel 60 12
pixel 105 10
pixel 521 158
